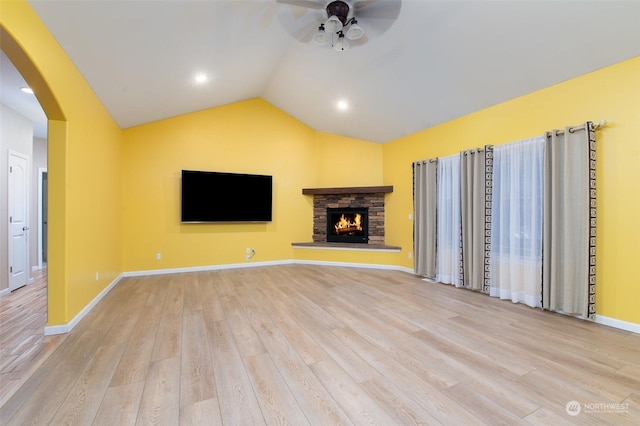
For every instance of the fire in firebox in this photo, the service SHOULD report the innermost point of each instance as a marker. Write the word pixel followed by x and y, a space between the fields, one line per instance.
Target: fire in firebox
pixel 347 225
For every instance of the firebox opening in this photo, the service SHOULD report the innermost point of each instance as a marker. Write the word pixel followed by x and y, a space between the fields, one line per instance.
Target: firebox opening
pixel 347 225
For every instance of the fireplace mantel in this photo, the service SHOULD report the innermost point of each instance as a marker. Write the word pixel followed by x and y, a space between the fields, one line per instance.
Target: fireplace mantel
pixel 348 190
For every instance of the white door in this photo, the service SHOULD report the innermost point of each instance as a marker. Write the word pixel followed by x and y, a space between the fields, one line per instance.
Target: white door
pixel 18 191
pixel 42 217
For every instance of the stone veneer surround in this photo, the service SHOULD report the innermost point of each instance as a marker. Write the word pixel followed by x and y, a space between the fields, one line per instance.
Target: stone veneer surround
pixel 373 201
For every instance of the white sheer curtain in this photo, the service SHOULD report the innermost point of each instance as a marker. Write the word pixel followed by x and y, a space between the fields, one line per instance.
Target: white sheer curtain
pixel 516 223
pixel 449 224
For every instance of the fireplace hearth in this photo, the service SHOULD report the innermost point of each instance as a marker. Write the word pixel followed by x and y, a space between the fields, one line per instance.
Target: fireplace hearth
pixel 348 225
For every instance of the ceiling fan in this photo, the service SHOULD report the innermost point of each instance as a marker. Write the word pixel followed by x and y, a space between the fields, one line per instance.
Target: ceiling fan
pixel 337 22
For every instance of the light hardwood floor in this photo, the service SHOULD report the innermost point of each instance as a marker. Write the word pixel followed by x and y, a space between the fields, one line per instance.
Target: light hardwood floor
pixel 301 344
pixel 23 345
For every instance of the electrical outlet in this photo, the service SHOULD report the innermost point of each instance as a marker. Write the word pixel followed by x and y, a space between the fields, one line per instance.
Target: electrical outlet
pixel 97 276
pixel 410 255
pixel 250 253
pixel 158 256
pixel 410 216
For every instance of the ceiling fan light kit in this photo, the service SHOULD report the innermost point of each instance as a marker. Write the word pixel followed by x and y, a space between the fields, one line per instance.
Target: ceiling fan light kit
pixel 333 24
pixel 341 44
pixel 337 24
pixel 355 31
pixel 321 36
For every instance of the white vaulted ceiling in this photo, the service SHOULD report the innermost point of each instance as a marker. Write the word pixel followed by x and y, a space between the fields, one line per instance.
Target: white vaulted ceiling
pixel 438 61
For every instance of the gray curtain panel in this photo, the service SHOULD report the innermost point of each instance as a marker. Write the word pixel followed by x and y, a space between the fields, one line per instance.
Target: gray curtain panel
pixel 424 221
pixel 472 205
pixel 568 263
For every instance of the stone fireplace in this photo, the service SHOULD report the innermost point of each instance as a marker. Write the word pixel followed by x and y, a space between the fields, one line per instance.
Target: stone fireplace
pixel 368 202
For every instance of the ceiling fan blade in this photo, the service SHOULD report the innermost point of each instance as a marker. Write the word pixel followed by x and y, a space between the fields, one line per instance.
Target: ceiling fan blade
pixel 378 9
pixel 308 4
pixel 301 23
pixel 306 35
pixel 363 3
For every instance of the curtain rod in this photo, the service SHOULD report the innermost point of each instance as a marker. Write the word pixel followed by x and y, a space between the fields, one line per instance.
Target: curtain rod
pixel 596 126
pixel 600 124
pixel 431 160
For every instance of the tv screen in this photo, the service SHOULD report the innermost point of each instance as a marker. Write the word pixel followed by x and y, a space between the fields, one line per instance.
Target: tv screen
pixel 225 197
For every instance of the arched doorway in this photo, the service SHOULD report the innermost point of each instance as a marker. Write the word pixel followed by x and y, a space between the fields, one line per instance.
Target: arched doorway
pixel 56 166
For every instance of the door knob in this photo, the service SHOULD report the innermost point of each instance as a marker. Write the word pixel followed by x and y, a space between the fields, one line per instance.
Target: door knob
pixel 26 228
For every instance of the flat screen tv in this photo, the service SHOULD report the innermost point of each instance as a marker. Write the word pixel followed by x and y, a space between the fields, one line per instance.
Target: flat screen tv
pixel 225 197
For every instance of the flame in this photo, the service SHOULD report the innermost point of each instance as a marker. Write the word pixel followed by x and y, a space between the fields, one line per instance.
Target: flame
pixel 343 223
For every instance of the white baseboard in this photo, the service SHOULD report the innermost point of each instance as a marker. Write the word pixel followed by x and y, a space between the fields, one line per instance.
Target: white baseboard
pixel 8 291
pixel 50 330
pixel 65 328
pixel 616 323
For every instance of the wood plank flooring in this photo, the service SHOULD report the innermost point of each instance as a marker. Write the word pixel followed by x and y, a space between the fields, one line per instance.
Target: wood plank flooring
pixel 23 345
pixel 321 345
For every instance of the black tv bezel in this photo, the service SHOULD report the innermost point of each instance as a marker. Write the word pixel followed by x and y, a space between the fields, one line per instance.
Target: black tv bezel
pixel 260 216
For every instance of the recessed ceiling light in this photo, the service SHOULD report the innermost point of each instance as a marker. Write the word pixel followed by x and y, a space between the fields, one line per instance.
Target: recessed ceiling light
pixel 342 105
pixel 27 90
pixel 201 78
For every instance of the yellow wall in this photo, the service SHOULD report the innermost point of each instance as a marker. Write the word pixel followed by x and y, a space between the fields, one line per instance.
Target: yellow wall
pixel 613 94
pixel 245 137
pixel 342 161
pixel 84 166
